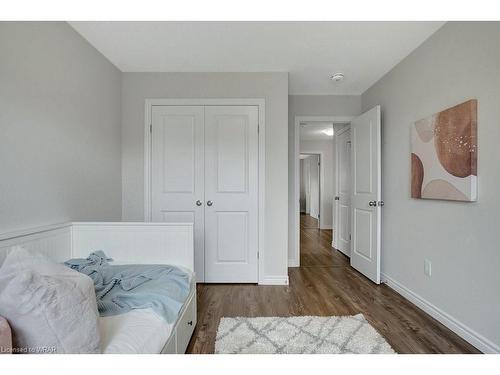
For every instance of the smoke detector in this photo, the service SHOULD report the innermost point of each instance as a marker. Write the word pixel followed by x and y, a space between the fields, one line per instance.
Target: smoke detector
pixel 337 77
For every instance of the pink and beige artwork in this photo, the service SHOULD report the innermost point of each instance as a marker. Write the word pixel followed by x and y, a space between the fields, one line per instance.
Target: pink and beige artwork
pixel 444 154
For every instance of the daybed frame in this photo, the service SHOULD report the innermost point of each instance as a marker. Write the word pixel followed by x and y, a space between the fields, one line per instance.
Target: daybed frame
pixel 139 243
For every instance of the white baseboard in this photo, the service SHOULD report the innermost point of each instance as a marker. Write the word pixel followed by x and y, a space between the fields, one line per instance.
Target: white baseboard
pixel 465 332
pixel 274 280
pixel 293 263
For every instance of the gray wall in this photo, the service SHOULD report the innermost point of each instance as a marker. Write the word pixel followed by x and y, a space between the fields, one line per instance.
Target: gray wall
pixel 461 61
pixel 273 87
pixel 59 128
pixel 311 105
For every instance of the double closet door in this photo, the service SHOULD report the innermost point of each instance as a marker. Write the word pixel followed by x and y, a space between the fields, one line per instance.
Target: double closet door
pixel 204 170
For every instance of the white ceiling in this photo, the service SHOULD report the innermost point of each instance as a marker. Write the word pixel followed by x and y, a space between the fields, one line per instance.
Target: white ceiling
pixel 313 131
pixel 309 51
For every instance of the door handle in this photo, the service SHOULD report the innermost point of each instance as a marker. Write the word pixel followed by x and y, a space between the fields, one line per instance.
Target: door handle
pixel 337 198
pixel 199 203
pixel 209 203
pixel 372 203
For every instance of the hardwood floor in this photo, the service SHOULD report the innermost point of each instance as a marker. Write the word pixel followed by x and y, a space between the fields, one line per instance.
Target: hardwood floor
pixel 325 284
pixel 309 222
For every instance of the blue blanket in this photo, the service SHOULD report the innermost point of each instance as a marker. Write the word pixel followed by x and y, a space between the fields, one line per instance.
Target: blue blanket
pixel 121 288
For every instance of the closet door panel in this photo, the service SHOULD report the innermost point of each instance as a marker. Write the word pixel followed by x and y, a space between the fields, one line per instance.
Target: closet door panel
pixel 177 166
pixel 231 193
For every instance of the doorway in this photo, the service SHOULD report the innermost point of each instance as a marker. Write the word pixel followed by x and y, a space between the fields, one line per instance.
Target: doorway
pixel 313 129
pixel 358 181
pixel 316 159
pixel 342 200
pixel 310 191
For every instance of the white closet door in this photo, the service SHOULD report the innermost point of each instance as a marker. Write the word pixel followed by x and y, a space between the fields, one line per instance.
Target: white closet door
pixel 231 193
pixel 177 166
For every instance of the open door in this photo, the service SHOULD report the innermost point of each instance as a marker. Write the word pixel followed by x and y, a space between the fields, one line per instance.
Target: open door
pixel 342 203
pixel 366 200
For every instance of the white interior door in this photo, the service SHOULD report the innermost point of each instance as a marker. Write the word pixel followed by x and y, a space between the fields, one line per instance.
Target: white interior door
pixel 314 183
pixel 177 171
pixel 231 193
pixel 343 198
pixel 366 194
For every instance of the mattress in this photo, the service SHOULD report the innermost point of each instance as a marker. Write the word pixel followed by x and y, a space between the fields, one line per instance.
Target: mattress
pixel 140 331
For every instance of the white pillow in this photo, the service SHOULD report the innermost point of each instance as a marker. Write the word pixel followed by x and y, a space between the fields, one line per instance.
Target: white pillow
pixel 50 307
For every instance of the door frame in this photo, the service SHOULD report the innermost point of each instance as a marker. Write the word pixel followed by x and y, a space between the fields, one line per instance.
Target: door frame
pixel 295 245
pixel 337 186
pixel 260 103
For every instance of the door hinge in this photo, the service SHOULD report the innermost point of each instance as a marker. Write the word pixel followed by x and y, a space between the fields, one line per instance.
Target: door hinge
pixel 349 237
pixel 150 128
pixel 258 256
pixel 258 128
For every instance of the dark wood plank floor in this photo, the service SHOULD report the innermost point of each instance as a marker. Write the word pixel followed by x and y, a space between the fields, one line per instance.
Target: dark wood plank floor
pixel 324 285
pixel 308 222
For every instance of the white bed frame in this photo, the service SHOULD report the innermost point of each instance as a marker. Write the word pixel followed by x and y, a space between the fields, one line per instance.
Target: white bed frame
pixel 139 243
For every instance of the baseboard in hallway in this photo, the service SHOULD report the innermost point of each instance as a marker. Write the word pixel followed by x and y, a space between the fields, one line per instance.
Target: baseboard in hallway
pixel 462 330
pixel 324 285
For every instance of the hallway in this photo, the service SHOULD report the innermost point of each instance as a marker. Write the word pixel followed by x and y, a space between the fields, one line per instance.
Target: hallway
pixel 325 284
pixel 315 246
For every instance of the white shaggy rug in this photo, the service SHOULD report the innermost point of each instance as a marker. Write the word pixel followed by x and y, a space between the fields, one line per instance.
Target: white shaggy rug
pixel 299 334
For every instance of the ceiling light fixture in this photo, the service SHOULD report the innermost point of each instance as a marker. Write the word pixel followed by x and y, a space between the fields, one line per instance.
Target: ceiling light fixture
pixel 337 77
pixel 328 132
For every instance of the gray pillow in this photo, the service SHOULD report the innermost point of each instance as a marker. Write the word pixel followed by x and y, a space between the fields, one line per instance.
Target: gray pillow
pixel 50 308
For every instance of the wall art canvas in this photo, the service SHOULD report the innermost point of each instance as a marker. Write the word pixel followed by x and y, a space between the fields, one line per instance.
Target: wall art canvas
pixel 444 154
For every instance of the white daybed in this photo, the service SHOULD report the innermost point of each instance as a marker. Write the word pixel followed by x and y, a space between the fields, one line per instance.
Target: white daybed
pixel 138 331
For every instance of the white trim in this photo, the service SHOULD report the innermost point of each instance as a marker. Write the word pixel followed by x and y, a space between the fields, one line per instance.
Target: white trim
pixel 30 231
pixel 296 163
pixel 206 102
pixel 129 224
pixel 147 159
pixel 262 185
pixel 149 103
pixel 465 332
pixel 274 280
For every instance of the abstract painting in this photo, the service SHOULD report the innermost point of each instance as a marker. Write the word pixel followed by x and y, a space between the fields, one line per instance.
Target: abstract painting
pixel 444 154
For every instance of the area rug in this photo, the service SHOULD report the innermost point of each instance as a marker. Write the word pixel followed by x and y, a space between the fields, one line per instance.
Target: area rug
pixel 299 334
